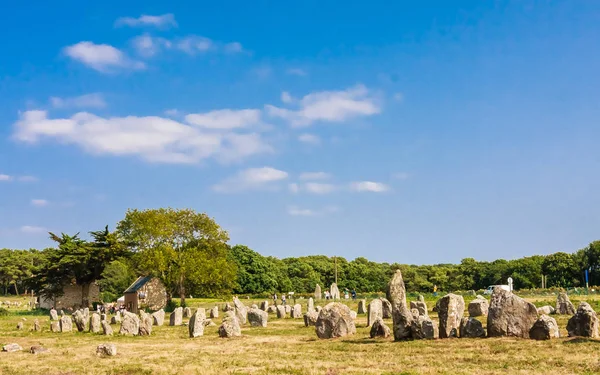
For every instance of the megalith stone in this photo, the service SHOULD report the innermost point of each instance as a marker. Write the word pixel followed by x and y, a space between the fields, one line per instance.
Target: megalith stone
pixel 55 326
pixel 241 311
pixel 19 326
pixel 584 323
pixel 318 293
pixel 509 315
pixel 374 311
pixel 108 350
pixel 146 323
pixel 95 323
pixel 53 314
pixel 214 312
pixel 187 312
pixel 115 320
pixel 451 310
pixel 362 306
pixel 66 324
pixel 379 329
pixel 334 292
pixel 130 324
pixel 176 318
pixel 196 325
pixel 546 310
pixel 335 321
pixel 564 305
pixel 478 307
pixel 272 309
pixel 545 328
pixel 471 328
pixel 386 306
pixel 423 328
pixel 80 320
pixel 281 312
pixel 420 298
pixel 106 328
pixel 310 306
pixel 401 315
pixel 310 318
pixel 264 305
pixel 230 326
pixel 36 326
pixel 158 317
pixel 420 306
pixel 257 318
pixel 297 311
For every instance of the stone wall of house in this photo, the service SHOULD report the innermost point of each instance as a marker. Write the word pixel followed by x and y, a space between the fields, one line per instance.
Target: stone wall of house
pixel 156 296
pixel 71 297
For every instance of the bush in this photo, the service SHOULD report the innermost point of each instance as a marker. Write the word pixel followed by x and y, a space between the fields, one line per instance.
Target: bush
pixel 3 311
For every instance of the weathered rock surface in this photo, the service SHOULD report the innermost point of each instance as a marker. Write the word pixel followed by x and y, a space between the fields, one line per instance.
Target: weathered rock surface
pixel 257 318
pixel 564 305
pixel 509 315
pixel 362 306
pixel 176 318
pixel 95 323
pixel 158 317
pixel 36 326
pixel 584 323
pixel 66 324
pixel 310 306
pixel 187 312
pixel 146 323
pixel 423 328
pixel 374 311
pixel 230 326
pixel 546 310
pixel 335 321
pixel 196 325
pixel 241 310
pixel 19 326
pixel 297 311
pixel 451 310
pixel 281 311
pixel 80 320
pixel 401 315
pixel 318 292
pixel 106 328
pixel 420 306
pixel 380 329
pixel 272 309
pixel 478 307
pixel 54 326
pixel 334 292
pixel 471 328
pixel 214 312
pixel 545 328
pixel 108 350
pixel 288 309
pixel 12 348
pixel 209 323
pixel 130 324
pixel 264 305
pixel 310 318
pixel 420 298
pixel 37 349
pixel 386 308
pixel 53 314
pixel 415 313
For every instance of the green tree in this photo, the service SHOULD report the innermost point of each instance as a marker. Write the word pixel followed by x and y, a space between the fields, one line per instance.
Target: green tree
pixel 254 272
pixel 187 250
pixel 117 276
pixel 561 270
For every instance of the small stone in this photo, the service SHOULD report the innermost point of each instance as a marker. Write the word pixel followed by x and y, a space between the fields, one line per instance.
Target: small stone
pixel 335 320
pixel 54 326
pixel 380 329
pixel 66 325
pixel 478 307
pixel 545 328
pixel 36 349
pixel 310 318
pixel 423 328
pixel 296 311
pixel 12 348
pixel 214 312
pixel 108 350
pixel 471 328
pixel 584 323
pixel 196 325
pixel 158 317
pixel 53 314
pixel 146 323
pixel 187 312
pixel 230 326
pixel 264 305
pixel 257 317
pixel 209 323
pixel 362 306
pixel 106 328
pixel 281 313
pixel 176 318
pixel 95 320
pixel 20 326
pixel 546 310
pixel 564 305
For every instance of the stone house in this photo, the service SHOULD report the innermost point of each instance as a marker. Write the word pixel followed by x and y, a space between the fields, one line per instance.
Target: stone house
pixel 145 293
pixel 71 298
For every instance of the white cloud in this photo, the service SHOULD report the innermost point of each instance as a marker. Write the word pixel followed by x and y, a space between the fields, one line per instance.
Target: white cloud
pixel 262 72
pixel 148 46
pixel 369 186
pixel 233 47
pixel 297 72
pixel 163 21
pixel 309 138
pixel 194 44
pixel 319 188
pixel 286 97
pixel 95 100
pixel 39 202
pixel 225 118
pixel 314 176
pixel 251 179
pixel 297 211
pixel 294 188
pixel 27 179
pixel 5 177
pixel 329 106
pixel 31 229
pixel 101 57
pixel 151 138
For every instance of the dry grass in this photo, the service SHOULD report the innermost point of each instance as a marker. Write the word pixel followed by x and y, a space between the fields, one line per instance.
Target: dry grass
pixel 287 347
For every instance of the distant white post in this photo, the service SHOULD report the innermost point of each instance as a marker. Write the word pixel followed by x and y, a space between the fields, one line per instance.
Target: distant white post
pixel 510 284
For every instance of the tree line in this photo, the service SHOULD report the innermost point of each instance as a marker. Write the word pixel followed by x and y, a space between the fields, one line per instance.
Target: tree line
pixel 190 253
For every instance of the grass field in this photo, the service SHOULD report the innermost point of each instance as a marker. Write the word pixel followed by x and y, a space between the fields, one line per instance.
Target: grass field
pixel 287 347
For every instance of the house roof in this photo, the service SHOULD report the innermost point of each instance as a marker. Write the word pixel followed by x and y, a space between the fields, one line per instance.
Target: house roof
pixel 137 284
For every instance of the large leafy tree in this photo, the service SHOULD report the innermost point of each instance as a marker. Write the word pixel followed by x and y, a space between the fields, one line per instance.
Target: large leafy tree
pixel 187 250
pixel 255 273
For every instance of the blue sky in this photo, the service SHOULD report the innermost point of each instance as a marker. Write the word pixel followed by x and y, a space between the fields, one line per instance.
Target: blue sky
pixel 403 133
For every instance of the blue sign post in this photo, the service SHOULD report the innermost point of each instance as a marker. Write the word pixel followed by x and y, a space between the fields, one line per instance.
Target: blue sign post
pixel 586 279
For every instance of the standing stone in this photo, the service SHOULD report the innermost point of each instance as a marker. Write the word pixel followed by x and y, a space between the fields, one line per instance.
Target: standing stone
pixel 379 329
pixel 257 318
pixel 95 323
pixel 53 314
pixel 281 311
pixel 423 328
pixel 478 307
pixel 335 321
pixel 214 312
pixel 509 315
pixel 334 291
pixel 66 324
pixel 80 320
pixel 374 311
pixel 471 328
pixel 109 350
pixel 318 293
pixel 228 307
pixel 318 308
pixel 420 306
pixel 420 298
pixel 241 311
pixel 297 311
pixel 176 318
pixel 36 326
pixel 106 328
pixel 9 348
pixel 264 305
pixel 450 313
pixel 187 312
pixel 310 318
pixel 130 324
pixel 545 328
pixel 564 305
pixel 546 310
pixel 158 317
pixel 146 325
pixel 19 326
pixel 86 314
pixel 196 326
pixel 288 309
pixel 584 322
pixel 54 326
pixel 115 320
pixel 230 326
pixel 362 306
pixel 386 308
pixel 310 305
pixel 401 315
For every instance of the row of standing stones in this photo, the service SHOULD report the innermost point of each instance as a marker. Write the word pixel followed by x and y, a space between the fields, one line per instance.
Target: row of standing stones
pixel 507 315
